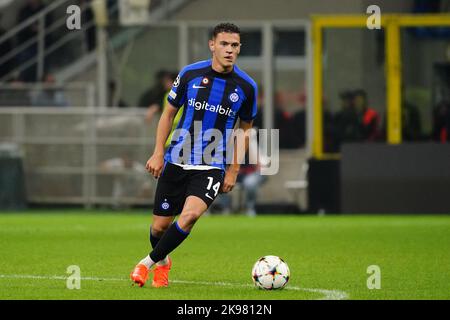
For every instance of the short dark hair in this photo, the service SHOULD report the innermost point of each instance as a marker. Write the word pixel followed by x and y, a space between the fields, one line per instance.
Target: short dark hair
pixel 225 27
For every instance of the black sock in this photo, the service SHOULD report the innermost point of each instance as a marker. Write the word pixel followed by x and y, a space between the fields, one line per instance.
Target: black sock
pixel 171 239
pixel 153 240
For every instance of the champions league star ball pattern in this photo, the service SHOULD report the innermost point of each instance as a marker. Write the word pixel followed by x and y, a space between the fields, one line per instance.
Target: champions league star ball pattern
pixel 270 273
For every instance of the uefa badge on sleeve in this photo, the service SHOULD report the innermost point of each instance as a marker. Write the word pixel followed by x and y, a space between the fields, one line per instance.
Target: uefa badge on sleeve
pixel 176 83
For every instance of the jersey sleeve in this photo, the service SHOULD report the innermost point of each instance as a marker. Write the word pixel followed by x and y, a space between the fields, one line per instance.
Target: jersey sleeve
pixel 249 108
pixel 177 95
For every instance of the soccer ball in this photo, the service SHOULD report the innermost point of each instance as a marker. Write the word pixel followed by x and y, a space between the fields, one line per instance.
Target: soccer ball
pixel 270 273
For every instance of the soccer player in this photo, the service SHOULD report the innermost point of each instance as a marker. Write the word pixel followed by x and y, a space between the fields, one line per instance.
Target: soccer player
pixel 214 93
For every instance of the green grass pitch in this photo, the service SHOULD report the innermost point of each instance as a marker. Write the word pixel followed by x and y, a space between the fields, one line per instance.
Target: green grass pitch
pixel 328 256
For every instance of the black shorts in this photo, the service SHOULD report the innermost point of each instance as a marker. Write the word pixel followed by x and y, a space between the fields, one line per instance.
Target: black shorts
pixel 176 184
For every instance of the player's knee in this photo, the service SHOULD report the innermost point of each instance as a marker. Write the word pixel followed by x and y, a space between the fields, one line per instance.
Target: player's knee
pixel 158 229
pixel 190 217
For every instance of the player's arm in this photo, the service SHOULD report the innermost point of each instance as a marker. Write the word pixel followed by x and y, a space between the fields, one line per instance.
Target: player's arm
pixel 239 151
pixel 156 162
pixel 247 114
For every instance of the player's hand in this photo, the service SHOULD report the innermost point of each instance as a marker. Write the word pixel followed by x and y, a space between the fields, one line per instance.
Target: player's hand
pixel 229 181
pixel 155 165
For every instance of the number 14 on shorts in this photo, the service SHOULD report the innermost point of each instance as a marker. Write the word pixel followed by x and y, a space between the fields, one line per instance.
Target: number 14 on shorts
pixel 215 187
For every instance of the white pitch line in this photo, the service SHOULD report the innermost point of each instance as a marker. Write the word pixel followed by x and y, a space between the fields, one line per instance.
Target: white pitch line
pixel 327 294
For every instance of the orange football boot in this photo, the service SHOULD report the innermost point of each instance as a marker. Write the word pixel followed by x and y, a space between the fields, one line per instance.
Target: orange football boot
pixel 139 275
pixel 161 274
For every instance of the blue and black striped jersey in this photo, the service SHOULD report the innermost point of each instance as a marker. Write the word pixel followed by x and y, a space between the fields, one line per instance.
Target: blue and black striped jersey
pixel 216 100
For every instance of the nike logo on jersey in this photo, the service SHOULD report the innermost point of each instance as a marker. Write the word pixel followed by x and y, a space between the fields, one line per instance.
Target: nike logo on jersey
pixel 198 87
pixel 207 195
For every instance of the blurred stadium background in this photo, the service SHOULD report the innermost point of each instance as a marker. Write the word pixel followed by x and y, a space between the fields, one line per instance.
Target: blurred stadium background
pixel 364 115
